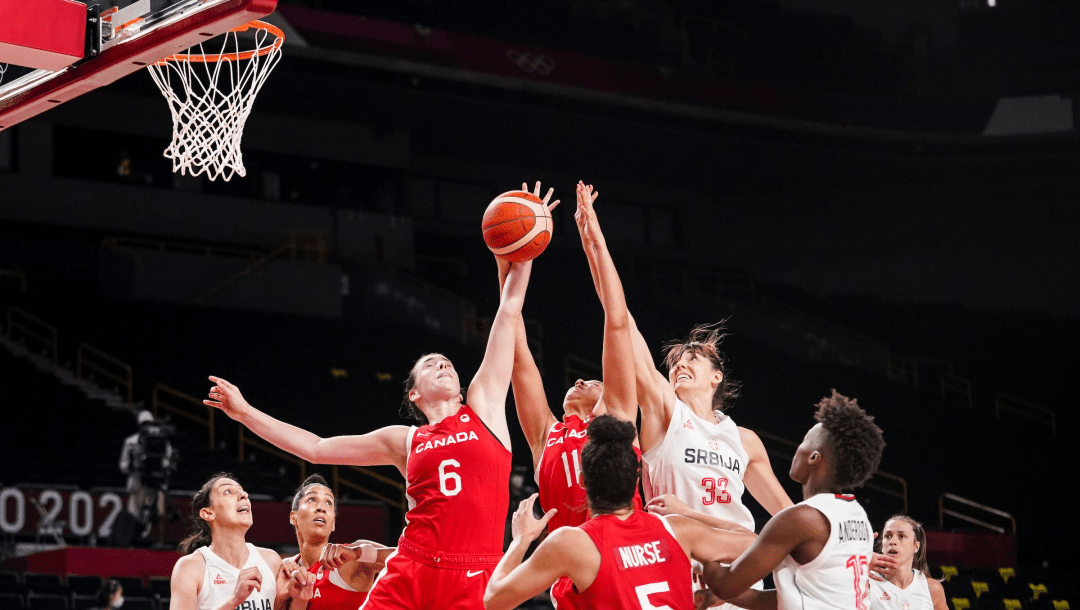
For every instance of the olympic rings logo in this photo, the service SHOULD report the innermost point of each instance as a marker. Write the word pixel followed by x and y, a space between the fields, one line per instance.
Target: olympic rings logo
pixel 533 64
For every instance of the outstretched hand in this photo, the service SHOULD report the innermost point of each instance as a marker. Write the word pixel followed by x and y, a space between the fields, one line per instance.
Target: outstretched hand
pixel 545 198
pixel 585 217
pixel 227 397
pixel 667 504
pixel 524 526
pixel 336 555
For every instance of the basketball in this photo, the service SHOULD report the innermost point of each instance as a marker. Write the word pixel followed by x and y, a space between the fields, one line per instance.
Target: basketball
pixel 517 226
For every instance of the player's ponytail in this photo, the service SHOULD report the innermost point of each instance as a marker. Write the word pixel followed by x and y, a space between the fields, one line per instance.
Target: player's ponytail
pixel 199 535
pixel 609 465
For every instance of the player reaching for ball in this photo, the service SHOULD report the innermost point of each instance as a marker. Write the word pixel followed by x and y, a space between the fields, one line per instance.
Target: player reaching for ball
pixel 220 571
pixel 343 573
pixel 818 550
pixel 619 559
pixel 456 465
pixel 556 445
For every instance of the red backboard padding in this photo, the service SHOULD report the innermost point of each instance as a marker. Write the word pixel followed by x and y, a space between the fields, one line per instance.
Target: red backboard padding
pixel 43 34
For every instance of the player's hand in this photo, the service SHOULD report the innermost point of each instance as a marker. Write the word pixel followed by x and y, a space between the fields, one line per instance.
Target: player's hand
pixel 249 579
pixel 545 198
pixel 667 504
pixel 227 397
pixel 704 599
pixel 300 583
pixel 882 566
pixel 585 217
pixel 524 526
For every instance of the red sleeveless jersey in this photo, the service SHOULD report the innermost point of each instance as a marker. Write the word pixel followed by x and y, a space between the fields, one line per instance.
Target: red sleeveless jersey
pixel 559 474
pixel 329 595
pixel 458 477
pixel 641 566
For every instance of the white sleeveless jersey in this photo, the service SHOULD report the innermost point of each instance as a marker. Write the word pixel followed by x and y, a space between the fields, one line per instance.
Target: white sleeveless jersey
pixel 702 464
pixel 887 596
pixel 839 577
pixel 219 582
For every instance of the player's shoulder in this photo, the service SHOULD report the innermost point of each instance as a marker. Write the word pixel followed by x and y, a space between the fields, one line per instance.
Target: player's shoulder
pixel 568 537
pixel 271 557
pixel 189 566
pixel 934 585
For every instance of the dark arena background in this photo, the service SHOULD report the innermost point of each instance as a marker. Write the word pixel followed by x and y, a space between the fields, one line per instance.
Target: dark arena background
pixel 879 197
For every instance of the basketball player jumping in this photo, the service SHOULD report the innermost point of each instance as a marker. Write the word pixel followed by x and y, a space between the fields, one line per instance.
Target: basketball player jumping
pixel 556 445
pixel 456 465
pixel 818 550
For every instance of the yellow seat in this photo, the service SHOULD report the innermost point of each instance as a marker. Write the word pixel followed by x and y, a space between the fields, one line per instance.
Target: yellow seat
pixel 963 603
pixel 1061 604
pixel 947 572
pixel 1012 604
pixel 979 588
pixel 1007 573
pixel 1037 590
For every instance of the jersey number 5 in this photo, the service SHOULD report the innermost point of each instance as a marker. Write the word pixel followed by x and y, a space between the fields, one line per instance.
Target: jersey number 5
pixel 858 563
pixel 449 477
pixel 717 490
pixel 644 591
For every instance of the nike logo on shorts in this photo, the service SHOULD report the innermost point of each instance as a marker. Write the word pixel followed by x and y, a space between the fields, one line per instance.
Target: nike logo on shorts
pixel 471 573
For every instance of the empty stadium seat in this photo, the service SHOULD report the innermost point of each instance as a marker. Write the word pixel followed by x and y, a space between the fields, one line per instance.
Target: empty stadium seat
pixel 45 584
pixel 47 601
pixel 1061 604
pixel 10 582
pixel 84 585
pixel 948 572
pixel 1012 604
pixel 979 587
pixel 11 600
pixel 961 603
pixel 1037 590
pixel 1006 574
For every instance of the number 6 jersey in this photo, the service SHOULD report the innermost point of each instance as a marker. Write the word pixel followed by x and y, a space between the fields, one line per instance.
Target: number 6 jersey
pixel 458 477
pixel 839 577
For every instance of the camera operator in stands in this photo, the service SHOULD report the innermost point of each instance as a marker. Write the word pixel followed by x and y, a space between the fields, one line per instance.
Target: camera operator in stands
pixel 149 459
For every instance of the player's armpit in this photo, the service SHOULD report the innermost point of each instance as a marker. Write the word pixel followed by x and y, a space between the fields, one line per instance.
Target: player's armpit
pixel 654 394
pixel 760 480
pixel 186 578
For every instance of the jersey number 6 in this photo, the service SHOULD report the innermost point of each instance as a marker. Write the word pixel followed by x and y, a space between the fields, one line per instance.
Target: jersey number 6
pixel 446 477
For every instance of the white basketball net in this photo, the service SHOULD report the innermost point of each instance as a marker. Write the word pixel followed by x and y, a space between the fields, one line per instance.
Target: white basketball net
pixel 210 96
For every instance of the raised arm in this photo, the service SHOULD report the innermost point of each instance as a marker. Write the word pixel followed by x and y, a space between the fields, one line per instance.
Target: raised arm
pixel 383 447
pixel 620 389
pixel 530 400
pixel 760 479
pixel 487 392
pixel 564 553
pixel 783 533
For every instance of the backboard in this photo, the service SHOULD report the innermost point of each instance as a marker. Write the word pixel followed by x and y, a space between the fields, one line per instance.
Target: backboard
pixel 67 48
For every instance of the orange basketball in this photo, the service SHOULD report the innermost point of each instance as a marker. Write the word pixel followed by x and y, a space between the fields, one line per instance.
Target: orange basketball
pixel 517 226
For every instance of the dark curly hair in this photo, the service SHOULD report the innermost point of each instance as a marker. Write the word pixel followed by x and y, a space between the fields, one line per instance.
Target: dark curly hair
pixel 704 340
pixel 609 465
pixel 856 440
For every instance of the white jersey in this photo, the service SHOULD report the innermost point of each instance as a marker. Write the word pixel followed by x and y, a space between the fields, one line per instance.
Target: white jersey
pixel 219 581
pixel 701 463
pixel 839 577
pixel 887 596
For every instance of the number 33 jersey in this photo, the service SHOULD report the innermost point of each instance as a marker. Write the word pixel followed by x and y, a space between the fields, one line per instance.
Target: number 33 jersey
pixel 458 478
pixel 701 463
pixel 839 577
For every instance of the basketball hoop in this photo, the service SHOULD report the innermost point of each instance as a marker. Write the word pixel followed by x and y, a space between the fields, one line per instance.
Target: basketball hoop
pixel 210 96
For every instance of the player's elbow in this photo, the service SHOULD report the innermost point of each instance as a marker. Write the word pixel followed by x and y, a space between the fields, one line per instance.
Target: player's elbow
pixel 491 601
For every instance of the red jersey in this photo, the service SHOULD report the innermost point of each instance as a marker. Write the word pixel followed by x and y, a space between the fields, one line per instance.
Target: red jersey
pixel 559 474
pixel 642 565
pixel 458 477
pixel 332 592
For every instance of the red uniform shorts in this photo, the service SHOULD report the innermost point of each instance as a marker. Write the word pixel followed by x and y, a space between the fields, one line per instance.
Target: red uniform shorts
pixel 406 584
